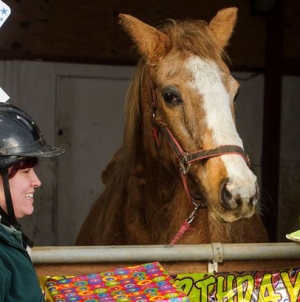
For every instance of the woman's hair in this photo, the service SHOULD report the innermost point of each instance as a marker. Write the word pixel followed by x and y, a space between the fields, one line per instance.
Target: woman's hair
pixel 30 162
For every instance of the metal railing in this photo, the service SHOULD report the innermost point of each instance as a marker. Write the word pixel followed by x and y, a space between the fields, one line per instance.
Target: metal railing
pixel 215 252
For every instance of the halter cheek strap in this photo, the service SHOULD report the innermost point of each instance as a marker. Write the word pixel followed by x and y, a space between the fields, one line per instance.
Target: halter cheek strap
pixel 9 205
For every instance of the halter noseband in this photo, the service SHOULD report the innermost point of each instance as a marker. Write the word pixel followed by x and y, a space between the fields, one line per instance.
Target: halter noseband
pixel 186 159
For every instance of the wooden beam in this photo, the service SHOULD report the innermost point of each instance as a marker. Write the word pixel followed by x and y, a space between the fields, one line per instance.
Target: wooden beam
pixel 272 117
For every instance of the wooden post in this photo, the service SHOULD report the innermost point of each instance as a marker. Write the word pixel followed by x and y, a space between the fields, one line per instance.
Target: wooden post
pixel 272 117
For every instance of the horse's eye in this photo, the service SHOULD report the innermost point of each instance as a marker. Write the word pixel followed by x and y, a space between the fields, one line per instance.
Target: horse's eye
pixel 172 98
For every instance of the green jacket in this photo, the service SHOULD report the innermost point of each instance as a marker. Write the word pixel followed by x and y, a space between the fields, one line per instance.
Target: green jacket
pixel 18 279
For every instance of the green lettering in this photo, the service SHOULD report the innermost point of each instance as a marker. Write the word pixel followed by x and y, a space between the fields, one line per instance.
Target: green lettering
pixel 196 286
pixel 186 284
pixel 266 290
pixel 225 288
pixel 245 287
pixel 292 289
pixel 204 286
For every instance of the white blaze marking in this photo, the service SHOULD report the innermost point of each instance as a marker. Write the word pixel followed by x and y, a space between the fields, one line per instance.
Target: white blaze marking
pixel 216 103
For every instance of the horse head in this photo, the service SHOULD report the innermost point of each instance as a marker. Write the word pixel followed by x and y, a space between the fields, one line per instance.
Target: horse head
pixel 190 97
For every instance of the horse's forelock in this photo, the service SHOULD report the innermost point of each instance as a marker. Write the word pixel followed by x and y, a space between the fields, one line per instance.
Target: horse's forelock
pixel 192 36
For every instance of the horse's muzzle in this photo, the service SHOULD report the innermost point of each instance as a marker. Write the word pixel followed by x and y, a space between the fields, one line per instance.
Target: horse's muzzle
pixel 234 200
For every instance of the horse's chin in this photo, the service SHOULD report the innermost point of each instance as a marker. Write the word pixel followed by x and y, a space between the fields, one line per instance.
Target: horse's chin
pixel 230 217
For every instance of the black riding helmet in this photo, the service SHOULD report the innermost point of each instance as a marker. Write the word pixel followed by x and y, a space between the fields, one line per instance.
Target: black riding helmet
pixel 20 138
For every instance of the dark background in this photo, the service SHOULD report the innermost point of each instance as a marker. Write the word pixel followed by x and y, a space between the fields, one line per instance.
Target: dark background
pixel 88 32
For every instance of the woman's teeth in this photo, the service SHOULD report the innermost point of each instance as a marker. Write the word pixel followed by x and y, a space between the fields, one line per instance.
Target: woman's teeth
pixel 29 195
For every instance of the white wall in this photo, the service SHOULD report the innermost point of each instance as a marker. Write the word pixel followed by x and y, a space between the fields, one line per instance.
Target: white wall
pixel 80 108
pixel 85 104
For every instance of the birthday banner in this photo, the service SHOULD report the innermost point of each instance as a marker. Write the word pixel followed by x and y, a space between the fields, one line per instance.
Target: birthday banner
pixel 276 286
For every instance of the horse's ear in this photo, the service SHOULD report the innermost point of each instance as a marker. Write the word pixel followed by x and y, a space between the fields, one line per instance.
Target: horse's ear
pixel 222 25
pixel 152 43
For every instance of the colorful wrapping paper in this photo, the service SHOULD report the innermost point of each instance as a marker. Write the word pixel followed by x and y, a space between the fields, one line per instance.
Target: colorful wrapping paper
pixel 141 283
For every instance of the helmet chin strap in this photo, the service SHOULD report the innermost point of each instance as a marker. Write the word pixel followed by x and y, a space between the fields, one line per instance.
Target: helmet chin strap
pixel 9 205
pixel 9 218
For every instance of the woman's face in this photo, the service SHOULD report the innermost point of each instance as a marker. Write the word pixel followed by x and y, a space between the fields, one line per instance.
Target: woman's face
pixel 22 188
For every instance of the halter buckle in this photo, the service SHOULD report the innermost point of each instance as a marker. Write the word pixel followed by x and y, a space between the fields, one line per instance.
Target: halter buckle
pixel 184 165
pixel 192 215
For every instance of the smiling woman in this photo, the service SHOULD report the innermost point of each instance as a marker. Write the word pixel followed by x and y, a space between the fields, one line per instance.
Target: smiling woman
pixel 21 143
pixel 23 182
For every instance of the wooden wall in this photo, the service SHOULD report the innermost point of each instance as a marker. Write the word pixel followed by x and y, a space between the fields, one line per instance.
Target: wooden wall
pixel 88 32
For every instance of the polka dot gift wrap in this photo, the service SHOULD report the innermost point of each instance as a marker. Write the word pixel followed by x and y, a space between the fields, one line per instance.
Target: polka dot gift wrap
pixel 141 283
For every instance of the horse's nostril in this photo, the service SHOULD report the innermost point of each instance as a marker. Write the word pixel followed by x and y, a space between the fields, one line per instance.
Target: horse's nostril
pixel 231 200
pixel 252 200
pixel 227 199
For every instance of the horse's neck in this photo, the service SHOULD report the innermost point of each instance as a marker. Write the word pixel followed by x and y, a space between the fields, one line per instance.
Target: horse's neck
pixel 152 179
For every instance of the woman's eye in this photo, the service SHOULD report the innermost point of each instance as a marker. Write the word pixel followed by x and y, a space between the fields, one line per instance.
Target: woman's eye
pixel 172 98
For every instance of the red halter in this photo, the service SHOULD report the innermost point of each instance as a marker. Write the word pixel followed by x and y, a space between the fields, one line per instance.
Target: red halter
pixel 185 161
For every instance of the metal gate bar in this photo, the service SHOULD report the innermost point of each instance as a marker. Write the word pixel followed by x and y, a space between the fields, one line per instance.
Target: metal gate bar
pixel 215 252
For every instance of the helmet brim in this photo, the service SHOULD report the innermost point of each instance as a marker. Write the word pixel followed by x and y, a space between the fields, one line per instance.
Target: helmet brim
pixel 45 151
pixel 38 148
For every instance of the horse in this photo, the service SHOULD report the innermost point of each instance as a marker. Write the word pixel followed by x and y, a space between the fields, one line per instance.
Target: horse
pixel 181 175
